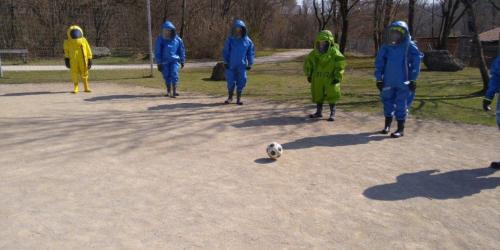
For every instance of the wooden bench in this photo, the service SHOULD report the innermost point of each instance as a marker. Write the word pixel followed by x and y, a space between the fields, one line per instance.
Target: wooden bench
pixel 22 52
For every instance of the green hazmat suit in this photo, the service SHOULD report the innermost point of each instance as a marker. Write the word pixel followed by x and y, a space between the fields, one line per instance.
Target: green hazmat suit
pixel 324 69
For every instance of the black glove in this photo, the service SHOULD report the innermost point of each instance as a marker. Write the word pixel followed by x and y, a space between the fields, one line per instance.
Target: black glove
pixel 309 79
pixel 412 86
pixel 226 66
pixel 89 64
pixel 66 62
pixel 159 67
pixel 486 105
pixel 182 65
pixel 380 85
pixel 249 67
pixel 335 81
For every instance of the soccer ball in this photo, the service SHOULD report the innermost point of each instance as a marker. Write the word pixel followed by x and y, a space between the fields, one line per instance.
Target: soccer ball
pixel 274 150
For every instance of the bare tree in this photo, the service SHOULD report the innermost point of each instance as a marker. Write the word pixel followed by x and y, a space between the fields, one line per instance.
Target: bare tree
pixel 183 18
pixel 471 23
pixel 377 30
pixel 345 7
pixel 324 13
pixel 102 11
pixel 495 5
pixel 451 13
pixel 411 15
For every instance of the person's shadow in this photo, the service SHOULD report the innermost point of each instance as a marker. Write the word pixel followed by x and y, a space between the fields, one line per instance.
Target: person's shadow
pixel 274 121
pixel 435 185
pixel 337 140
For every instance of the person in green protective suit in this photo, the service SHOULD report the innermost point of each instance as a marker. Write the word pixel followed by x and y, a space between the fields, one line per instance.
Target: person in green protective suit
pixel 324 69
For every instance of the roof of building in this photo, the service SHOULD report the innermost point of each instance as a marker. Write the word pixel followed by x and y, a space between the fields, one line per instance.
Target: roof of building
pixel 490 35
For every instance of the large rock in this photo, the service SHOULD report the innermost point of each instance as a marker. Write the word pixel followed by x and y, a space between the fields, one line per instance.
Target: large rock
pixel 100 52
pixel 218 72
pixel 442 60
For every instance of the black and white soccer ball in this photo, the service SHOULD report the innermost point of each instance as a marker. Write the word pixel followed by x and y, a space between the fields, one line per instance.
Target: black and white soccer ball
pixel 274 150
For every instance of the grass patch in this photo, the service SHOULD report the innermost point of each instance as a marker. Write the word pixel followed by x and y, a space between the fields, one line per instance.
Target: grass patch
pixel 440 95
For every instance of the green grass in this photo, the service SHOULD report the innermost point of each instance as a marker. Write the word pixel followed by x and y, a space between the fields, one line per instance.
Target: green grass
pixel 440 95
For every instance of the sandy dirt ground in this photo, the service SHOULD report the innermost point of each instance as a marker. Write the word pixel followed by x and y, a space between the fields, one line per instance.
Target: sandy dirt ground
pixel 125 168
pixel 277 57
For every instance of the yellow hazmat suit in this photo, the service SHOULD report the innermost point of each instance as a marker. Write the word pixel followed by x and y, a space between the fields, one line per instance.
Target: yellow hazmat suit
pixel 78 57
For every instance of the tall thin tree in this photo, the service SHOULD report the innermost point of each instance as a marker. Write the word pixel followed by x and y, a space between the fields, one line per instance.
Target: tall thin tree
pixel 472 25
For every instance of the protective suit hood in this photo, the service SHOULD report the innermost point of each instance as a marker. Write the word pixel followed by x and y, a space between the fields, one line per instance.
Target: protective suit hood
pixel 170 26
pixel 240 24
pixel 324 35
pixel 404 26
pixel 74 27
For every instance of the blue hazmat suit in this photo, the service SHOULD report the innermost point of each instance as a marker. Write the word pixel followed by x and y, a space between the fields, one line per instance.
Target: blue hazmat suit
pixel 238 54
pixel 170 54
pixel 494 85
pixel 396 65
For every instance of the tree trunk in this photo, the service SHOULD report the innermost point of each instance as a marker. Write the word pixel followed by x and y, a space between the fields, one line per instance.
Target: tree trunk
pixel 12 24
pixel 345 32
pixel 376 24
pixel 411 15
pixel 471 22
pixel 183 19
pixel 389 4
pixel 165 11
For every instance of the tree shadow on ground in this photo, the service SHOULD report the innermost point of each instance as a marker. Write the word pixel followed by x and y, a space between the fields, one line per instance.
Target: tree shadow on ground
pixel 434 185
pixel 334 140
pixel 186 106
pixel 275 121
pixel 36 93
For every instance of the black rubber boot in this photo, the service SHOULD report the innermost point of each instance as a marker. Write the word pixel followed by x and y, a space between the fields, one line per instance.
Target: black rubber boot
pixel 387 126
pixel 319 111
pixel 169 89
pixel 495 165
pixel 174 93
pixel 333 109
pixel 238 98
pixel 401 130
pixel 230 96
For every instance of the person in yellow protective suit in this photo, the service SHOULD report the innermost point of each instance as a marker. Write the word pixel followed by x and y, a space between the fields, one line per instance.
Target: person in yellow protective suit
pixel 78 57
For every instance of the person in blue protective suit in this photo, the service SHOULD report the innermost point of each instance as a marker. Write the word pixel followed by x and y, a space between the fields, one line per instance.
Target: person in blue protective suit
pixel 238 53
pixel 493 88
pixel 170 56
pixel 397 67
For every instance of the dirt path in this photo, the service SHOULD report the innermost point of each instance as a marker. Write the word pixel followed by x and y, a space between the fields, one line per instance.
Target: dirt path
pixel 124 168
pixel 277 57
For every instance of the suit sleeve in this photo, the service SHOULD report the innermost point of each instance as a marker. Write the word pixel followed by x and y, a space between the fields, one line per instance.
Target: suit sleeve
pixel 158 50
pixel 250 53
pixel 309 65
pixel 181 51
pixel 338 72
pixel 380 64
pixel 65 48
pixel 88 50
pixel 226 51
pixel 494 83
pixel 414 60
